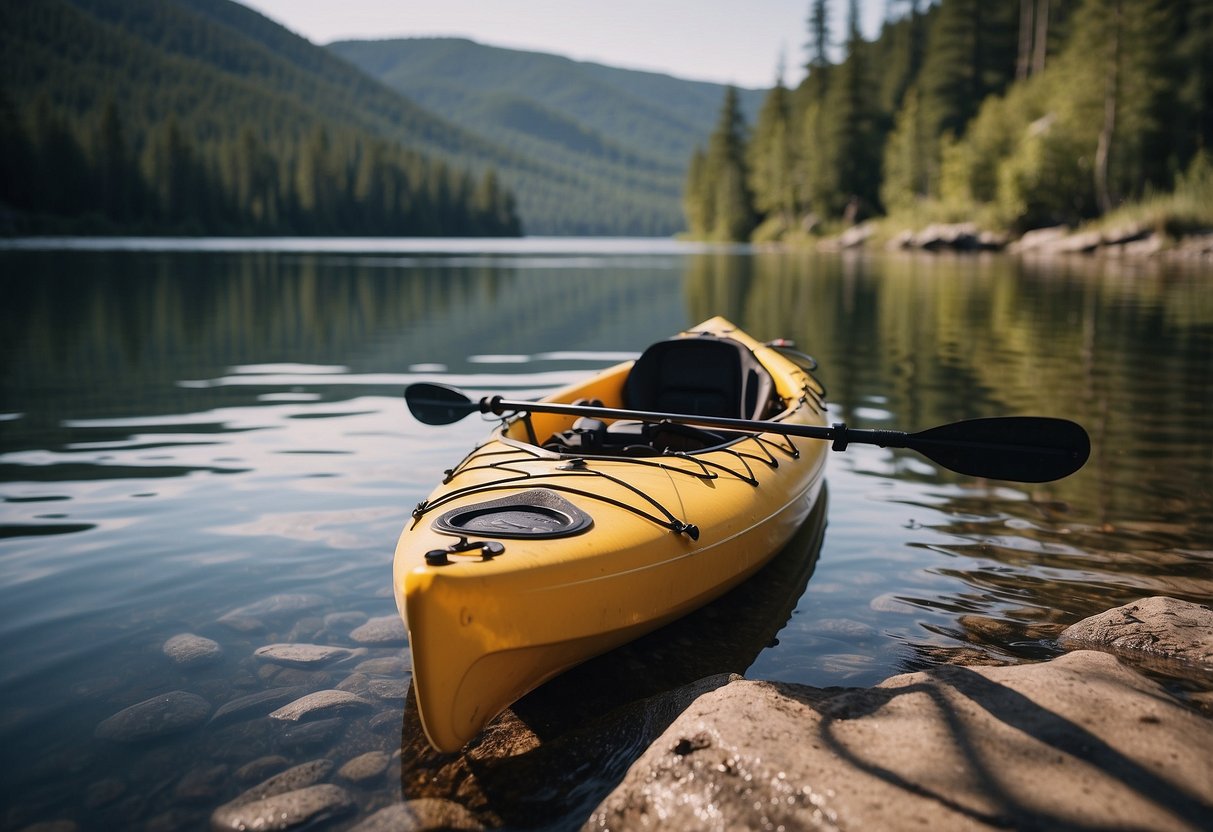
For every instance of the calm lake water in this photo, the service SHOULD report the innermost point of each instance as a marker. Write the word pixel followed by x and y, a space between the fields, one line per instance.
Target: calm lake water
pixel 208 438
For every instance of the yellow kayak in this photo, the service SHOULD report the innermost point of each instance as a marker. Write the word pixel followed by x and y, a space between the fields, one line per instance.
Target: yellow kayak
pixel 562 537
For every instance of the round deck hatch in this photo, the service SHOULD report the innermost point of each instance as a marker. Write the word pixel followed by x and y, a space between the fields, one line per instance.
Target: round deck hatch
pixel 537 513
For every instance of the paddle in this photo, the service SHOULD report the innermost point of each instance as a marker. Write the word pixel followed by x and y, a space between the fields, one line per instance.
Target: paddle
pixel 1017 448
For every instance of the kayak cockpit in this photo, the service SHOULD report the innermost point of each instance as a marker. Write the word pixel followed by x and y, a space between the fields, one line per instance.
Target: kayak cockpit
pixel 594 437
pixel 700 375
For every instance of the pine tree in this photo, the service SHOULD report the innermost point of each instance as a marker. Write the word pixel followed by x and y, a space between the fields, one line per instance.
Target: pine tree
pixel 696 200
pixel 732 204
pixel 972 49
pixel 854 141
pixel 770 158
pixel 819 37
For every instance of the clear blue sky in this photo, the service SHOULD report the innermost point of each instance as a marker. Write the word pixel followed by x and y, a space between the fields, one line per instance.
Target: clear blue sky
pixel 736 42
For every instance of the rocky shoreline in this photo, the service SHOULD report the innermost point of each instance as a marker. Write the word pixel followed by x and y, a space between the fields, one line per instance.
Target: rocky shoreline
pixel 1128 240
pixel 1114 733
pixel 1079 742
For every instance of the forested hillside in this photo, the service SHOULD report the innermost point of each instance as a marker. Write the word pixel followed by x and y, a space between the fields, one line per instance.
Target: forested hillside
pixel 201 116
pixel 622 137
pixel 1015 115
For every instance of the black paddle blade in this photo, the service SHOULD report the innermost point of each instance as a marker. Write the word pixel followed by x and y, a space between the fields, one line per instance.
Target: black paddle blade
pixel 1017 448
pixel 437 404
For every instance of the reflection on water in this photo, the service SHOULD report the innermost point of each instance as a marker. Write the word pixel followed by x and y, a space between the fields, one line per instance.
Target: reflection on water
pixel 212 443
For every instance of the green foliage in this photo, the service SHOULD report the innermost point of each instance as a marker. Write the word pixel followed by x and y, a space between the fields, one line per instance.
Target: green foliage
pixel 717 200
pixel 771 158
pixel 907 174
pixel 1012 114
pixel 201 116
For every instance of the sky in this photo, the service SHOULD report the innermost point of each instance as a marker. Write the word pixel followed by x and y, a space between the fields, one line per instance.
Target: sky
pixel 725 41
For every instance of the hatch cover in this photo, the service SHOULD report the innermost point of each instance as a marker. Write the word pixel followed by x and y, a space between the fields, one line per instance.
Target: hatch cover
pixel 537 513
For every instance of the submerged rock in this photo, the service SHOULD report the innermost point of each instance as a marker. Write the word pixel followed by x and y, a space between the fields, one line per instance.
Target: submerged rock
pixel 423 813
pixel 310 805
pixel 159 716
pixel 384 631
pixel 320 703
pixel 365 766
pixel 255 704
pixel 189 650
pixel 1077 742
pixel 300 735
pixel 303 655
pixel 296 777
pixel 388 688
pixel 201 783
pixel 383 666
pixel 262 766
pixel 1176 632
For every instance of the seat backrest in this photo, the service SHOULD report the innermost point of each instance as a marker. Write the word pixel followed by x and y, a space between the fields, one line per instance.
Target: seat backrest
pixel 702 376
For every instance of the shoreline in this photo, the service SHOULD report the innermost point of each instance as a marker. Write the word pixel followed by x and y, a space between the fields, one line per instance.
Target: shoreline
pixel 1130 240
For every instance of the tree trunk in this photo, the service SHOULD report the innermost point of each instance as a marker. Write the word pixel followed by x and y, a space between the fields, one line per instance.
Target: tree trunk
pixel 1111 90
pixel 1023 64
pixel 1042 36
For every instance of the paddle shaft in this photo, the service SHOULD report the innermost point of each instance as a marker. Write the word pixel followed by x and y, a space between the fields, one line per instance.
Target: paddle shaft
pixel 1017 448
pixel 838 434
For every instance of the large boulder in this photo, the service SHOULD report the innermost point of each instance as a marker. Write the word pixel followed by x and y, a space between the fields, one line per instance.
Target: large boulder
pixel 1161 632
pixel 1077 742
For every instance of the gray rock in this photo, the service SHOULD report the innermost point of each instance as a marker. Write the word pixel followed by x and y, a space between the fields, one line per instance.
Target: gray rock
pixel 355 683
pixel 319 704
pixel 1084 242
pixel 296 777
pixel 365 766
pixel 259 768
pixel 255 704
pixel 302 655
pixel 856 236
pixel 960 236
pixel 201 784
pixel 388 688
pixel 302 735
pixel 384 666
pixel 1039 239
pixel 386 721
pixel 383 631
pixel 1130 232
pixel 310 805
pixel 1078 742
pixel 1145 247
pixel 280 676
pixel 1157 628
pixel 159 716
pixel 423 813
pixel 189 650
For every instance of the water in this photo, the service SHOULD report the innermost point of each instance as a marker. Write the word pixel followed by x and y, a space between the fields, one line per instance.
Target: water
pixel 191 427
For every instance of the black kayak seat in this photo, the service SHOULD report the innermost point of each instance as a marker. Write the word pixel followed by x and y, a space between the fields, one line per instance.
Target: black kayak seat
pixel 700 376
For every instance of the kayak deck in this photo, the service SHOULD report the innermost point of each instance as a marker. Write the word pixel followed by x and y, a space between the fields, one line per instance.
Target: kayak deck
pixel 556 540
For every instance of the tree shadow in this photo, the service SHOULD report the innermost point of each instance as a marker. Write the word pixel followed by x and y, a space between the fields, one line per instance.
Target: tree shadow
pixel 1014 710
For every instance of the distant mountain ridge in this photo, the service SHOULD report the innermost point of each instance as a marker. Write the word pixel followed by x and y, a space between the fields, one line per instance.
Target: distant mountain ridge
pixel 624 135
pixel 584 148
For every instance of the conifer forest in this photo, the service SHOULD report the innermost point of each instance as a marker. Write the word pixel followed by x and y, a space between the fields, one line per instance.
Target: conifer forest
pixel 1015 115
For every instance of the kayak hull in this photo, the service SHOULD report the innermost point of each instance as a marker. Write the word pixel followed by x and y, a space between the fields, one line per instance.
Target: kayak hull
pixel 665 536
